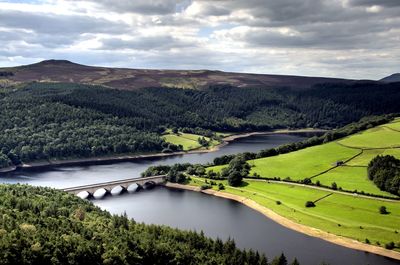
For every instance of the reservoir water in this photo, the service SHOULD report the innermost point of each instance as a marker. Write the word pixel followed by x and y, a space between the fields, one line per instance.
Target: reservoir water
pixel 216 217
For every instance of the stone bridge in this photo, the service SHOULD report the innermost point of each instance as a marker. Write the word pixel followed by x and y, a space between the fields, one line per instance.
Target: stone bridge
pixel 123 184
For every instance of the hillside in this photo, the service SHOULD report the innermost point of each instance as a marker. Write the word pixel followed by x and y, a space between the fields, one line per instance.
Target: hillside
pixel 46 226
pixel 66 71
pixel 391 78
pixel 355 151
pixel 346 201
pixel 47 121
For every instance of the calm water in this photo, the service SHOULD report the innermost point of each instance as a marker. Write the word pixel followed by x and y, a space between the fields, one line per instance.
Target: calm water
pixel 222 218
pixel 69 176
pixel 217 217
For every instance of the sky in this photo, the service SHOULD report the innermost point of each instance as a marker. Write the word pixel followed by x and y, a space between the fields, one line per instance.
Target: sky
pixel 357 39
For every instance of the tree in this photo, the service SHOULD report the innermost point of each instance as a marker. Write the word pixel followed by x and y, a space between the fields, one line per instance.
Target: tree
pixel 334 186
pixel 237 169
pixel 200 171
pixel 310 204
pixel 235 178
pixel 383 210
pixel 281 260
pixel 384 171
pixel 295 262
pixel 181 178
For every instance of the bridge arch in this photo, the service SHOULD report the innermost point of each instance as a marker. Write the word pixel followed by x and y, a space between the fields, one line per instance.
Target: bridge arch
pixel 134 187
pixel 117 190
pixel 84 194
pixel 149 185
pixel 100 193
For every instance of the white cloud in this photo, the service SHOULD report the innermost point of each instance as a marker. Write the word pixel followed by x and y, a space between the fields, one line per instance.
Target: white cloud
pixel 342 38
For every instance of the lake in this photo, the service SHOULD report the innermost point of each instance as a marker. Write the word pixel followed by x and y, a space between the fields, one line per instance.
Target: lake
pixel 216 217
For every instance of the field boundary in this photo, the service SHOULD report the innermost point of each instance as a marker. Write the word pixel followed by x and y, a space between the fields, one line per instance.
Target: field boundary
pixel 323 197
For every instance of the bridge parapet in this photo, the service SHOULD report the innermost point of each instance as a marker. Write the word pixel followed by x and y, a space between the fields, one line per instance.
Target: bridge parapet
pixel 124 183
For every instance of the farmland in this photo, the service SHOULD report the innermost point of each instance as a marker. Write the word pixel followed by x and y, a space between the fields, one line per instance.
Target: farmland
pixel 343 210
pixel 319 162
pixel 187 140
pixel 341 214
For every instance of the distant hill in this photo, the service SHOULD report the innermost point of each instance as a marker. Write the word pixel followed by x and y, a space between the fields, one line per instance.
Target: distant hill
pixel 391 78
pixel 122 78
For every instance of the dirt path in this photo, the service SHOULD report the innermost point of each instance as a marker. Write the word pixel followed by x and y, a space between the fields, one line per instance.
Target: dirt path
pixel 342 241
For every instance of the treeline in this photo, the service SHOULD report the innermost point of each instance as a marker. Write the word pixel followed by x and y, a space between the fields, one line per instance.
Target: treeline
pixel 225 108
pixel 6 74
pixel 42 121
pixel 384 171
pixel 45 226
pixel 36 128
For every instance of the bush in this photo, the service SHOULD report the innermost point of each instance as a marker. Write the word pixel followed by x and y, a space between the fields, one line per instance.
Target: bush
pixel 383 210
pixel 306 181
pixel 205 187
pixel 310 204
pixel 278 202
pixel 221 186
pixel 390 245
pixel 334 186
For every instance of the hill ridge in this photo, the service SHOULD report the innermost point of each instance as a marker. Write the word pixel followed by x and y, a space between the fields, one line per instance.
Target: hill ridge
pixel 54 70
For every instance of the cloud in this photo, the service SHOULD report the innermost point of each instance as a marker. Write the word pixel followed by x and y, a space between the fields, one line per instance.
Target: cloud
pixel 386 3
pixel 58 24
pixel 148 7
pixel 341 38
pixel 159 42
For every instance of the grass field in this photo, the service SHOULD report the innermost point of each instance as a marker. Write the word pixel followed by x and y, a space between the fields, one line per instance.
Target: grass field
pixel 378 137
pixel 368 155
pixel 187 140
pixel 351 178
pixel 301 164
pixel 346 215
pixel 311 161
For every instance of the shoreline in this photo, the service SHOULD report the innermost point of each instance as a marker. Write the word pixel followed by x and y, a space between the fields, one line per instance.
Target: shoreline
pixel 127 158
pixel 310 231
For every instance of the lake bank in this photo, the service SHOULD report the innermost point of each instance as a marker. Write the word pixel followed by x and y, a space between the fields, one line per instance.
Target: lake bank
pixel 128 158
pixel 338 240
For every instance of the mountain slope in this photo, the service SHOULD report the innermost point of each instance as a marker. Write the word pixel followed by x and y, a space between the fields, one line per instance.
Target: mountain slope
pixel 391 78
pixel 66 71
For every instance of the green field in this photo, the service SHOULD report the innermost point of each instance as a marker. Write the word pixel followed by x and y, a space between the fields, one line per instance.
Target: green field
pixel 346 215
pixel 378 137
pixel 187 140
pixel 301 164
pixel 351 178
pixel 312 161
pixel 368 155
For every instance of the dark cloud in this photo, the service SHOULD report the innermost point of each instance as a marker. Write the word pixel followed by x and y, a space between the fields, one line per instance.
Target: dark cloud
pixel 147 7
pixel 60 25
pixel 386 3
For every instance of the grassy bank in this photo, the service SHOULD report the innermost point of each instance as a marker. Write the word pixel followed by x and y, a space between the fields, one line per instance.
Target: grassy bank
pixel 188 141
pixel 350 216
pixel 319 163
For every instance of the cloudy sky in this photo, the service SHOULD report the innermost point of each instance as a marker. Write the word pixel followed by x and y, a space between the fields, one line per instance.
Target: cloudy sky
pixel 337 38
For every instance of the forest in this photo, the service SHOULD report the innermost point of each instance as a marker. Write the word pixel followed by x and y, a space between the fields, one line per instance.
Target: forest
pixel 41 121
pixel 45 226
pixel 384 171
